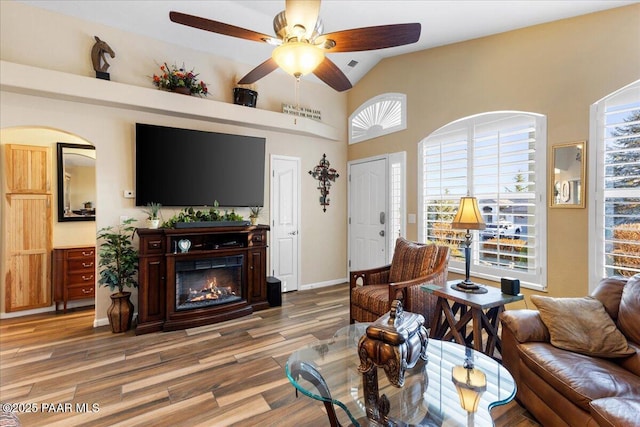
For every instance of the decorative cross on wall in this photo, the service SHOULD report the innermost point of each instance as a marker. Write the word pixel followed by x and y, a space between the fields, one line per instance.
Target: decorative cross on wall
pixel 325 175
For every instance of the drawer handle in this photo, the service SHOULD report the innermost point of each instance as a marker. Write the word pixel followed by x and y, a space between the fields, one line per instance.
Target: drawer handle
pixel 87 291
pixel 154 245
pixel 87 277
pixel 84 264
pixel 87 253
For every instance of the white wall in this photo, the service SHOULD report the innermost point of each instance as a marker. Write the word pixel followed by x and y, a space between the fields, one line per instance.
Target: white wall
pixel 38 38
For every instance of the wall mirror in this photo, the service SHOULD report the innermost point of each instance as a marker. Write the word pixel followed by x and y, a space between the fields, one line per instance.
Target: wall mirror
pixel 567 175
pixel 76 182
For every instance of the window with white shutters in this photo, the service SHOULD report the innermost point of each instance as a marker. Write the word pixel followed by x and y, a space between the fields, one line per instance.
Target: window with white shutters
pixel 380 115
pixel 499 158
pixel 615 209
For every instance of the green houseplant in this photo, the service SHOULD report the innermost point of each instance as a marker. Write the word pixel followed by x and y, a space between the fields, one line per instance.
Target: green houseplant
pixel 118 268
pixel 255 213
pixel 152 211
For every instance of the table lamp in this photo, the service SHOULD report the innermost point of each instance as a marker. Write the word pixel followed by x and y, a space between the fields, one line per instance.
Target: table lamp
pixel 468 217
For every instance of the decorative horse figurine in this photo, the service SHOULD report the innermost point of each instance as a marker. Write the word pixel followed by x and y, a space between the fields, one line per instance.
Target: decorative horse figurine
pixel 99 59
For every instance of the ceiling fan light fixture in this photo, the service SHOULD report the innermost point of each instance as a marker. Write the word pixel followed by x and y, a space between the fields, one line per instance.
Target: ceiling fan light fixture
pixel 298 58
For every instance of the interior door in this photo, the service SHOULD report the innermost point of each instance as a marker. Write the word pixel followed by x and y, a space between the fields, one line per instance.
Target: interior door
pixel 28 251
pixel 285 213
pixel 368 214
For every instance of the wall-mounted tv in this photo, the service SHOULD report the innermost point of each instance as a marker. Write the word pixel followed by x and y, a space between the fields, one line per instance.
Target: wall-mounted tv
pixel 182 167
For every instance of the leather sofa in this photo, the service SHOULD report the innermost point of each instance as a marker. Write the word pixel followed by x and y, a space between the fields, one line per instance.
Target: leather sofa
pixel 562 387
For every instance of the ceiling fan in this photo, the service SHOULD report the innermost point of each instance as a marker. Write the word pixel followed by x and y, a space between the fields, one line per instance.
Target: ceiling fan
pixel 301 45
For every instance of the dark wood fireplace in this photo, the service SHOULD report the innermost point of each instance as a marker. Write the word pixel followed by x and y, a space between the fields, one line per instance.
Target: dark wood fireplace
pixel 221 276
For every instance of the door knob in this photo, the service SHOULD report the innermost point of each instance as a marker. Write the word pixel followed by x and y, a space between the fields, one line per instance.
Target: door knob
pixel 293 233
pixel 382 233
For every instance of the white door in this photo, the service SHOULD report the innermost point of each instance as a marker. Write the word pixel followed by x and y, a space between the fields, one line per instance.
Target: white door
pixel 285 212
pixel 368 214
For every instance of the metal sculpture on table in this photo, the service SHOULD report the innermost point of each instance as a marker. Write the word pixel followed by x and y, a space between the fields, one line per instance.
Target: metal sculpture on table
pixel 395 342
pixel 325 176
pixel 99 59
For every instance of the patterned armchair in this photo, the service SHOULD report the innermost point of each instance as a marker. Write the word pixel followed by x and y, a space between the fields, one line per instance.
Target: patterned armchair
pixel 414 264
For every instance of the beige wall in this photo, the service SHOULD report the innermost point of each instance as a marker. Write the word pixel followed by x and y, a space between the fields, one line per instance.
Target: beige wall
pixel 557 69
pixel 38 38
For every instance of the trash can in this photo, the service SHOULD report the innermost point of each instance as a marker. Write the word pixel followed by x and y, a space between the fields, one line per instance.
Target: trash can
pixel 274 290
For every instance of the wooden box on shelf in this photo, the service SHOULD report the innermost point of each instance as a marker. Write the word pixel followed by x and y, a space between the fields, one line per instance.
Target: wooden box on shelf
pixel 74 274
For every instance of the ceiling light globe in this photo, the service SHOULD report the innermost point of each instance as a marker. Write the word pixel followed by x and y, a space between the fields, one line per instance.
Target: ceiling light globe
pixel 298 58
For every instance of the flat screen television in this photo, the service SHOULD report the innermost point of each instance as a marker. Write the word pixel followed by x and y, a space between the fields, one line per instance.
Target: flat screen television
pixel 182 167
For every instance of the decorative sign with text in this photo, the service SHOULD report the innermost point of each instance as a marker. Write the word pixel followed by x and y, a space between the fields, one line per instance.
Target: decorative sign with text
pixel 302 112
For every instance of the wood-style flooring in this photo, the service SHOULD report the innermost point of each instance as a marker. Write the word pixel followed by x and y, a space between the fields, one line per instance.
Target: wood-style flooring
pixel 229 373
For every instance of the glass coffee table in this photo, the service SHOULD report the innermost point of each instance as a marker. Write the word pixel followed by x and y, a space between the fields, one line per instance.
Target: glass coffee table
pixel 428 397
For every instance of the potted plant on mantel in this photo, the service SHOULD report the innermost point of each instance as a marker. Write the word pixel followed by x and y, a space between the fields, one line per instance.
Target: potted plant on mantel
pixel 118 269
pixel 153 220
pixel 255 213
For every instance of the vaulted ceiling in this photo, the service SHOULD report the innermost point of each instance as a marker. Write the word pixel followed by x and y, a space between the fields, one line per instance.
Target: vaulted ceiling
pixel 443 22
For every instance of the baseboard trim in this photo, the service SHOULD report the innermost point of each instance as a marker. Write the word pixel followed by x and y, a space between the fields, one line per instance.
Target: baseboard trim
pixel 322 284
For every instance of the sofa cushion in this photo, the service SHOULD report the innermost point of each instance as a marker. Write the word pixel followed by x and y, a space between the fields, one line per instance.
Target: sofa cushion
pixel 631 363
pixel 411 260
pixel 578 377
pixel 609 292
pixel 581 325
pixel 629 312
pixel 525 325
pixel 616 412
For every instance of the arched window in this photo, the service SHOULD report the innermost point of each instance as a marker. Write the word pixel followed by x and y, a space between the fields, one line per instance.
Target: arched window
pixel 614 165
pixel 381 115
pixel 499 158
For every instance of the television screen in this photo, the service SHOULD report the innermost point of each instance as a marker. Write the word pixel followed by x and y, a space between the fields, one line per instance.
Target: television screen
pixel 181 167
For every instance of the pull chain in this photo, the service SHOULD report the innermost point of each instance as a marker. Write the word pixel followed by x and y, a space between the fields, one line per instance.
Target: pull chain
pixel 297 94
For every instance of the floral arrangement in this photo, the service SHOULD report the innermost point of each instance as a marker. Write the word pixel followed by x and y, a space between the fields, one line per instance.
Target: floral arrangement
pixel 173 78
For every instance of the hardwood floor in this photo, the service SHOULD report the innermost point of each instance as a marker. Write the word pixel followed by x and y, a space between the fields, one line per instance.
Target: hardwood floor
pixel 229 373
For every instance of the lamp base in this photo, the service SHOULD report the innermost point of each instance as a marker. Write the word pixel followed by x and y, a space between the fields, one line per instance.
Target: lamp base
pixel 469 287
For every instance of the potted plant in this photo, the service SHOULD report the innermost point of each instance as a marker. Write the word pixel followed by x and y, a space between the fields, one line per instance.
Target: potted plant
pixel 152 211
pixel 189 218
pixel 118 269
pixel 179 80
pixel 255 213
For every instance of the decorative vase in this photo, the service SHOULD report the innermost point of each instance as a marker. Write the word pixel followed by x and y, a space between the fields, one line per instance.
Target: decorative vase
pixel 182 90
pixel 120 313
pixel 244 96
pixel 254 220
pixel 153 223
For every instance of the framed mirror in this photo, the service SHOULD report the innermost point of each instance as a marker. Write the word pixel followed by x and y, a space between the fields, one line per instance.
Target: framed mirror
pixel 76 182
pixel 567 175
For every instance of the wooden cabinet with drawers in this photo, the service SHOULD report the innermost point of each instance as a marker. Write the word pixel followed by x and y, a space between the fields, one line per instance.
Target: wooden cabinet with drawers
pixel 74 273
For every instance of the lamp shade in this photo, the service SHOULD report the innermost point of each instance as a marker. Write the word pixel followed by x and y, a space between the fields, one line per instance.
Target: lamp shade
pixel 468 216
pixel 298 58
pixel 470 384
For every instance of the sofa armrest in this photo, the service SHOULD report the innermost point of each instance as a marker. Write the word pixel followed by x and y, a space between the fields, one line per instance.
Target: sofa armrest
pixel 372 276
pixel 525 325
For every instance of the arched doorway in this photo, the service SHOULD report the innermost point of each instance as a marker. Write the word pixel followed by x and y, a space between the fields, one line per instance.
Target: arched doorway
pixel 63 234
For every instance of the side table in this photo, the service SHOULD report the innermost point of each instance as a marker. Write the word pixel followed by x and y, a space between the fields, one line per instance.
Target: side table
pixel 482 310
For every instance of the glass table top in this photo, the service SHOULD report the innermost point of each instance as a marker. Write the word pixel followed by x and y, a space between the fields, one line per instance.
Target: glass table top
pixel 428 397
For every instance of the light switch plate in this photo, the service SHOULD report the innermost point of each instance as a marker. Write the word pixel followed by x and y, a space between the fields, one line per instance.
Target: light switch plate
pixel 411 218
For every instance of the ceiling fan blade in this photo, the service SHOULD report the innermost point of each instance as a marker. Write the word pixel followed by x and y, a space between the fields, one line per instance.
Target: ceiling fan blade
pixel 302 12
pixel 217 27
pixel 259 72
pixel 329 73
pixel 371 38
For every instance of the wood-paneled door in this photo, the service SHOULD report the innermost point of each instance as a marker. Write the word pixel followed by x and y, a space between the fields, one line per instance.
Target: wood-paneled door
pixel 27 228
pixel 28 169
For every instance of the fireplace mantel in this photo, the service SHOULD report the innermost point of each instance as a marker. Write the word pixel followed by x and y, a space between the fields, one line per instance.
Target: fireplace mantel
pixel 159 253
pixel 36 81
